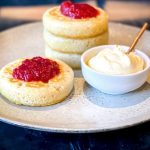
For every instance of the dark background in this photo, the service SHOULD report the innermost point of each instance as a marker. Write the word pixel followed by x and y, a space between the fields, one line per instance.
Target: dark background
pixel 17 138
pixel 31 2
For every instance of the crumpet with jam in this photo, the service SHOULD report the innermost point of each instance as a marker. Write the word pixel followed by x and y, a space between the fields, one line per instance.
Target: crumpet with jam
pixel 36 81
pixel 75 20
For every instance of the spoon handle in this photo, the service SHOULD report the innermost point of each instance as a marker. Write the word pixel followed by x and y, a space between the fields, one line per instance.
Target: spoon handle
pixel 137 38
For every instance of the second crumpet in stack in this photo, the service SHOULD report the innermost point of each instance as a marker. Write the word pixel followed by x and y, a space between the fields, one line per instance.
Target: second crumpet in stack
pixel 70 29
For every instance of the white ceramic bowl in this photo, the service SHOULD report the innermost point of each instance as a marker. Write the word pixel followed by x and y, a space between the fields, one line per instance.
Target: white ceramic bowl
pixel 113 84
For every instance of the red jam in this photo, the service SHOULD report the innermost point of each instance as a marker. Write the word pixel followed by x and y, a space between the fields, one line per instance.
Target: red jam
pixel 36 69
pixel 78 10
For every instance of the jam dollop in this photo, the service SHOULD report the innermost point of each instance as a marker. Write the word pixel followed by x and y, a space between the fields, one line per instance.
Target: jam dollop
pixel 36 69
pixel 78 10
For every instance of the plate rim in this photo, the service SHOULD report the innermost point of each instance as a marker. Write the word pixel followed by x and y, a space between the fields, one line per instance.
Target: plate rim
pixel 65 130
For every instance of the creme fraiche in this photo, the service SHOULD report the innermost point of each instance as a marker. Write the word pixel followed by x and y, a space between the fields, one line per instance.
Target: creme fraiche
pixel 116 62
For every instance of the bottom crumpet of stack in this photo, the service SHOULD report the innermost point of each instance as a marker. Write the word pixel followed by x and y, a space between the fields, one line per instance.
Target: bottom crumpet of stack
pixel 72 60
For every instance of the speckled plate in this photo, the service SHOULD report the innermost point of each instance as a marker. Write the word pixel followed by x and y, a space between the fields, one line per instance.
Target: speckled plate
pixel 86 109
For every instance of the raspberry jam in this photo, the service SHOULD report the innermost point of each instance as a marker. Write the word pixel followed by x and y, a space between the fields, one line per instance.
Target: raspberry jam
pixel 36 69
pixel 78 11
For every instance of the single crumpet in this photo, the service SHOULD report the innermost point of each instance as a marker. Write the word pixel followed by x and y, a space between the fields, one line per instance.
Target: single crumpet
pixel 75 20
pixel 36 81
pixel 74 46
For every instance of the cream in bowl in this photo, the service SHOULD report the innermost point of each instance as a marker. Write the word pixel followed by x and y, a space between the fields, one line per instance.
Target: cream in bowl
pixel 109 69
pixel 116 62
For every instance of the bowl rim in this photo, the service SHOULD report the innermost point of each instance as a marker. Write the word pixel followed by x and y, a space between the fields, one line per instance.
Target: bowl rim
pixel 144 56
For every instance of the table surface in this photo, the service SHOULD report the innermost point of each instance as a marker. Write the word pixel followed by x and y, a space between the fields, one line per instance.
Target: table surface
pixel 16 138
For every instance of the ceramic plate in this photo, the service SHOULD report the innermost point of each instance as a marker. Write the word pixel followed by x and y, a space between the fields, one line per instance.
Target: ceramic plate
pixel 86 109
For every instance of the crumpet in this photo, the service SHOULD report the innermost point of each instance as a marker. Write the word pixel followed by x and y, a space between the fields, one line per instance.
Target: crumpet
pixel 36 93
pixel 64 26
pixel 73 46
pixel 73 60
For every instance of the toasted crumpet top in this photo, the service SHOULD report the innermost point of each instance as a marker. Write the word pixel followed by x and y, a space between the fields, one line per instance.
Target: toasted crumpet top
pixel 6 73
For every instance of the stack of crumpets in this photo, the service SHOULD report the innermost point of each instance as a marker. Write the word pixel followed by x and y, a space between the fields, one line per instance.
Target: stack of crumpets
pixel 70 29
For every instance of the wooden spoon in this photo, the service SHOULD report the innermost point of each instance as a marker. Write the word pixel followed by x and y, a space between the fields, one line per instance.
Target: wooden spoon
pixel 131 49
